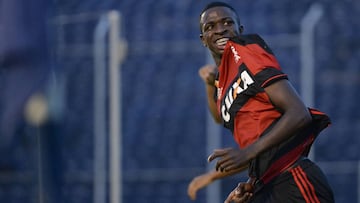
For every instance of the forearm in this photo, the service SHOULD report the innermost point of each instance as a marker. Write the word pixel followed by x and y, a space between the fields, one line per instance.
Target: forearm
pixel 210 92
pixel 287 126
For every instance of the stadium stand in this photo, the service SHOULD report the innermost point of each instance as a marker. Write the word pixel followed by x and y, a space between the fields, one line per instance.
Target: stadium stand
pixel 164 112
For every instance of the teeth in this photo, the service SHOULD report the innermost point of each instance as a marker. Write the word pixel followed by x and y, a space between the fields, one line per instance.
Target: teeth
pixel 222 41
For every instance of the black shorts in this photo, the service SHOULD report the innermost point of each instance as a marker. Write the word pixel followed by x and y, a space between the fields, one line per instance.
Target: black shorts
pixel 305 182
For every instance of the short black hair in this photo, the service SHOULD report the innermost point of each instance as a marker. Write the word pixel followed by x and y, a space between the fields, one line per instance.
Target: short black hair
pixel 219 4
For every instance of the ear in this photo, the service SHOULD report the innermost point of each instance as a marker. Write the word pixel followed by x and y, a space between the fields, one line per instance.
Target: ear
pixel 202 40
pixel 241 29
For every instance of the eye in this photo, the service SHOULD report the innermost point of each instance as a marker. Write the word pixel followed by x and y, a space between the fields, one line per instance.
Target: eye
pixel 208 27
pixel 228 22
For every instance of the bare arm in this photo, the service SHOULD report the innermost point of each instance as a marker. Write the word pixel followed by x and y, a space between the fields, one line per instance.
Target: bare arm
pixel 207 74
pixel 205 179
pixel 295 116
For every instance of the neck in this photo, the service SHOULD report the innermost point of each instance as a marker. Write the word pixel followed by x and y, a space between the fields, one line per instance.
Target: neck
pixel 217 60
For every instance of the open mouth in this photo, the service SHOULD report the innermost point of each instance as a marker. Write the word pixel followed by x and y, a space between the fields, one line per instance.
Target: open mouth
pixel 220 43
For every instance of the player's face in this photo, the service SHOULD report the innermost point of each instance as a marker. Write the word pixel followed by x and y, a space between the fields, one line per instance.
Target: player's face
pixel 218 24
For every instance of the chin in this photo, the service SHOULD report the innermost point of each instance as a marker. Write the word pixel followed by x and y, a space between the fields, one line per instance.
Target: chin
pixel 220 52
pixel 217 52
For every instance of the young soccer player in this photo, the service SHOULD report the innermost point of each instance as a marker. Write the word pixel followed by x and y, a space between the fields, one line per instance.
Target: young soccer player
pixel 269 121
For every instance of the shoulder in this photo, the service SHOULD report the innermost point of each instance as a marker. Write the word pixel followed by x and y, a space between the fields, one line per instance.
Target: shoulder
pixel 252 39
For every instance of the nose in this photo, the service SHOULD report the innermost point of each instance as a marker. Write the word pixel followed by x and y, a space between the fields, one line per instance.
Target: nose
pixel 220 28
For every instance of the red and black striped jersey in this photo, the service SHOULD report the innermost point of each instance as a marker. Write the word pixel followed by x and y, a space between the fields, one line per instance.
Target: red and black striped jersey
pixel 247 67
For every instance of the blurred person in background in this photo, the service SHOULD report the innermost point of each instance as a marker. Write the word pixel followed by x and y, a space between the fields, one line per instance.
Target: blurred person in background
pixel 25 71
pixel 250 95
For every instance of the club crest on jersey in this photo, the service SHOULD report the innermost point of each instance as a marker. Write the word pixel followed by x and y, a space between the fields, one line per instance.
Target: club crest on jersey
pixel 239 86
pixel 235 53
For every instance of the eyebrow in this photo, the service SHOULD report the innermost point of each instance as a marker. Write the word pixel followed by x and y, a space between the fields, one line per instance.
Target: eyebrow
pixel 222 19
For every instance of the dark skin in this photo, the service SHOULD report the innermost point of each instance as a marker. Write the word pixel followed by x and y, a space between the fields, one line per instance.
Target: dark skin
pixel 242 193
pixel 221 23
pixel 217 23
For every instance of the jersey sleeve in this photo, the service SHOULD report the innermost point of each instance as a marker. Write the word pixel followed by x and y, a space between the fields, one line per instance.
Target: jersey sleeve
pixel 261 61
pixel 269 75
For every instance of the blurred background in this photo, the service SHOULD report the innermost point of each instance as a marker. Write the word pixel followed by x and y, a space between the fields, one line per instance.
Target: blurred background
pixel 101 100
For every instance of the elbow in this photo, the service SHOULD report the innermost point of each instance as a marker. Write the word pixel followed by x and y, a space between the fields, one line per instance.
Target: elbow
pixel 217 119
pixel 305 119
pixel 215 116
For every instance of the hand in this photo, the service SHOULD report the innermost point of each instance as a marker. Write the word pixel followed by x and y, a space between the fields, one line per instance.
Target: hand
pixel 208 73
pixel 241 194
pixel 229 159
pixel 197 183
